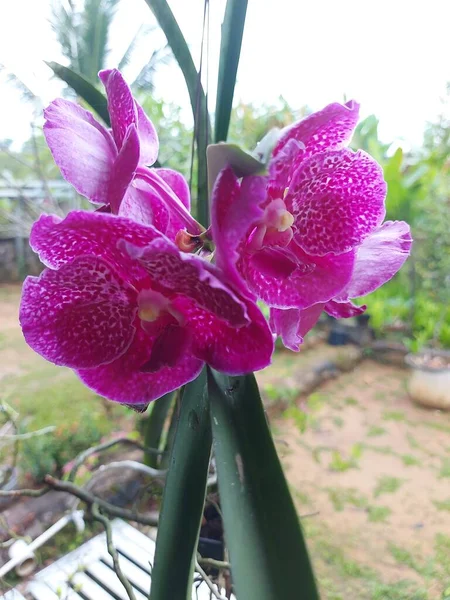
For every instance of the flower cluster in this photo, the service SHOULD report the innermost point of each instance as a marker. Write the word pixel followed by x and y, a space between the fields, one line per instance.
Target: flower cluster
pixel 134 299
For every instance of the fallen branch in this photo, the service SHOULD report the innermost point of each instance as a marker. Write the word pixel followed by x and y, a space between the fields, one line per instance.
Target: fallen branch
pixel 112 551
pixel 90 499
pixel 79 460
pixel 213 589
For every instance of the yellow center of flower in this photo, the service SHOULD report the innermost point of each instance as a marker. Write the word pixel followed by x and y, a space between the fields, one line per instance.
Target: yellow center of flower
pixel 285 221
pixel 152 305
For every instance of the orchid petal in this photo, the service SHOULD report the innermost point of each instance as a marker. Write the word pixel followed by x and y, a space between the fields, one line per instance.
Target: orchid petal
pixel 143 205
pixel 337 200
pixel 343 310
pixel 82 148
pixel 174 273
pixel 235 209
pixel 281 167
pixel 147 136
pixel 315 279
pixel 121 106
pixel 123 381
pixel 178 184
pixel 225 348
pixel 378 259
pixel 80 316
pixel 60 241
pixel 328 129
pixel 293 324
pixel 124 168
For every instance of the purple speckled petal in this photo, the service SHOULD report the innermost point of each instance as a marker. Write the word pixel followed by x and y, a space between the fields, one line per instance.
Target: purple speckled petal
pixel 225 348
pixel 80 316
pixel 235 208
pixel 343 310
pixel 124 168
pixel 124 382
pixel 82 148
pixel 378 259
pixel 178 183
pixel 174 273
pixel 293 324
pixel 147 136
pixel 121 106
pixel 337 200
pixel 60 241
pixel 316 279
pixel 328 129
pixel 143 205
pixel 282 166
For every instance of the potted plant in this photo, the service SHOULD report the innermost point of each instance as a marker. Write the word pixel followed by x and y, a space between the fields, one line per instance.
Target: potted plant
pixel 429 383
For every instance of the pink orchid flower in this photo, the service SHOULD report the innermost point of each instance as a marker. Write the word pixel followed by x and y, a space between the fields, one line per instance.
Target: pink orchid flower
pixel 111 168
pixel 309 236
pixel 130 313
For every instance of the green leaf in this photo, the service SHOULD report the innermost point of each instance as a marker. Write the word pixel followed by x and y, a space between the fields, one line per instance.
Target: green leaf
pixel 83 88
pixel 230 51
pixel 154 425
pixel 184 496
pixel 222 155
pixel 269 559
pixel 180 49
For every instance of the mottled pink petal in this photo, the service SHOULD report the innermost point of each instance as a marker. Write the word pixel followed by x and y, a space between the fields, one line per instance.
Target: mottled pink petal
pixel 343 310
pixel 235 208
pixel 124 168
pixel 328 129
pixel 223 347
pixel 174 273
pixel 178 184
pixel 293 324
pixel 121 107
pixel 316 279
pixel 173 203
pixel 281 167
pixel 60 241
pixel 337 200
pixel 124 382
pixel 378 259
pixel 82 148
pixel 143 205
pixel 147 136
pixel 80 316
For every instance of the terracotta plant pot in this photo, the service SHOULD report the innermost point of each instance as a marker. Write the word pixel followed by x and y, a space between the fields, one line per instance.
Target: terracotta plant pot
pixel 429 383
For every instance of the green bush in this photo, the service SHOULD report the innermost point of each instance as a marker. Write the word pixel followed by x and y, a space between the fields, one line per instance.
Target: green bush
pixel 47 454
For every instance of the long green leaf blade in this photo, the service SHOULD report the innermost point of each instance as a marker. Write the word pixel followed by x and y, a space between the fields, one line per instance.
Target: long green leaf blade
pixel 268 554
pixel 180 49
pixel 230 51
pixel 184 496
pixel 154 425
pixel 83 88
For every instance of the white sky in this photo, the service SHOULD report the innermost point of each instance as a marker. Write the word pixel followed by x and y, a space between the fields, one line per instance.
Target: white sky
pixel 390 55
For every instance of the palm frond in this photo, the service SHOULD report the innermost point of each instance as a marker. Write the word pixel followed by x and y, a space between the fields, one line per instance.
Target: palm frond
pixel 141 34
pixel 146 77
pixel 97 17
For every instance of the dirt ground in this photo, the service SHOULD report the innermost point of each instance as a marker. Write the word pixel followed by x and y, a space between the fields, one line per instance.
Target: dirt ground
pixel 374 471
pixel 369 471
